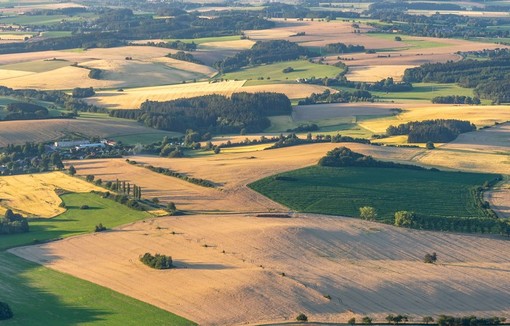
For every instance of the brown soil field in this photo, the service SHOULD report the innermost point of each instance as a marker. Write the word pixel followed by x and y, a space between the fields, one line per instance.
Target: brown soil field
pixel 148 67
pixel 340 110
pixel 19 132
pixel 34 194
pixel 236 269
pixel 132 98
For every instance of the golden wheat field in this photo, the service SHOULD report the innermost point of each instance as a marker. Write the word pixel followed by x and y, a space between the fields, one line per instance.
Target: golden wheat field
pixel 34 194
pixel 240 269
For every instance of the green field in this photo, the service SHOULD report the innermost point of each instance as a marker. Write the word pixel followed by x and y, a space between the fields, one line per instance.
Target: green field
pixel 407 42
pixel 302 69
pixel 37 66
pixel 75 220
pixel 40 296
pixel 342 191
pixel 52 34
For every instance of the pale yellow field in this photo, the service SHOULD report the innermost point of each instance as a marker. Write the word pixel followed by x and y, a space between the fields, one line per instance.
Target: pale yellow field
pixel 34 194
pixel 15 37
pixel 230 268
pixel 376 73
pixel 480 115
pixel 38 6
pixel 232 45
pixel 132 98
pixel 148 67
pixel 293 91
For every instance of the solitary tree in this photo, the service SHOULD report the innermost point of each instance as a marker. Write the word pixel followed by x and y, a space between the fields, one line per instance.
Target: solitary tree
pixel 366 320
pixel 72 170
pixel 351 321
pixel 430 258
pixel 302 317
pixel 368 213
pixel 404 218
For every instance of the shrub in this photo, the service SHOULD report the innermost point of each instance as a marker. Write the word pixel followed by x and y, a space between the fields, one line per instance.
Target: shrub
pixel 404 218
pixel 366 320
pixel 368 213
pixel 302 317
pixel 351 321
pixel 430 145
pixel 90 178
pixel 157 261
pixel 430 258
pixel 100 228
pixel 5 311
pixel 428 319
pixel 84 207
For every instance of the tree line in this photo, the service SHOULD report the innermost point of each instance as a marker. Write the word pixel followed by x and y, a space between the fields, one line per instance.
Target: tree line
pixel 338 97
pixel 211 113
pixel 13 223
pixel 456 99
pixel 438 130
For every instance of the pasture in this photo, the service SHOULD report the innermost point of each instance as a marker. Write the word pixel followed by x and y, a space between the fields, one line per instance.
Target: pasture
pixel 35 194
pixel 271 269
pixel 65 300
pixel 342 191
pixel 74 221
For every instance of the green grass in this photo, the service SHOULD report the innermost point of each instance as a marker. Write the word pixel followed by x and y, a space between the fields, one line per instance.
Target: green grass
pixel 75 220
pixel 407 42
pixel 41 296
pixel 53 34
pixel 4 100
pixel 342 191
pixel 302 69
pixel 37 66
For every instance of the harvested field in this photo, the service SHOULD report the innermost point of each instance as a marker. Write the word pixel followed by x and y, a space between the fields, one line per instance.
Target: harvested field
pixel 495 139
pixel 376 73
pixel 148 66
pixel 21 131
pixel 34 194
pixel 232 45
pixel 132 98
pixel 242 269
pixel 293 91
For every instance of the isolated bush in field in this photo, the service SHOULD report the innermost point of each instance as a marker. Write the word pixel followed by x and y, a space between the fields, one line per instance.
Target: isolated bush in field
pixel 351 321
pixel 171 207
pixel 84 207
pixel 430 258
pixel 5 311
pixel 368 213
pixel 72 170
pixel 100 228
pixel 302 317
pixel 404 218
pixel 366 320
pixel 157 261
pixel 89 178
pixel 430 145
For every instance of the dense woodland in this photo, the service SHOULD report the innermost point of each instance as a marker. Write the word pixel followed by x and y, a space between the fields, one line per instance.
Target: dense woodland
pixel 338 97
pixel 25 111
pixel 340 48
pixel 456 99
pixel 183 56
pixel 211 113
pixel 263 52
pixel 439 130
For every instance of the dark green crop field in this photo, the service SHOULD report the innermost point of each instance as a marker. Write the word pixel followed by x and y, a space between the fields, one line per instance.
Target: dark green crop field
pixel 342 191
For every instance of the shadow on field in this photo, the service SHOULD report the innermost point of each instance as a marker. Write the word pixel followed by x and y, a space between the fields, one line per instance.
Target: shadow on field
pixel 28 289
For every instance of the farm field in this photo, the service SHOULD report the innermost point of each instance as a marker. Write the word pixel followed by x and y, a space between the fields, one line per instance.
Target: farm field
pixel 91 125
pixel 52 69
pixel 376 73
pixel 342 191
pixel 35 194
pixel 64 300
pixel 293 91
pixel 133 97
pixel 272 73
pixel 74 220
pixel 366 268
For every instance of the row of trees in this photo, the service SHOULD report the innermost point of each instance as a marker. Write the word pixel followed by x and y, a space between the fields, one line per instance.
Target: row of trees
pixel 456 99
pixel 183 56
pixel 438 130
pixel 338 97
pixel 211 113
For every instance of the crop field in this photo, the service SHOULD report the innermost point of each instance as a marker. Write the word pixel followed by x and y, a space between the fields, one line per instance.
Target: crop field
pixel 293 91
pixel 342 191
pixel 239 269
pixel 133 97
pixel 53 70
pixel 34 194
pixel 91 125
pixel 73 220
pixel 376 73
pixel 410 42
pixel 273 73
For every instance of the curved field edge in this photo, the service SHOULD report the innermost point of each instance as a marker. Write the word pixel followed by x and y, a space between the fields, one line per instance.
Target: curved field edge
pixel 66 300
pixel 342 191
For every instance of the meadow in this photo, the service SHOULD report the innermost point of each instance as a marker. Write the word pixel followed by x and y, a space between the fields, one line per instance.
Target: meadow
pixel 273 73
pixel 342 191
pixel 65 300
pixel 74 220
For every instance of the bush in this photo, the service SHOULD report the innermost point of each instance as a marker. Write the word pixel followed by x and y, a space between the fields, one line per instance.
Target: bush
pixel 404 218
pixel 84 207
pixel 351 321
pixel 13 223
pixel 366 320
pixel 157 261
pixel 5 311
pixel 302 317
pixel 430 258
pixel 100 228
pixel 427 319
pixel 368 213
